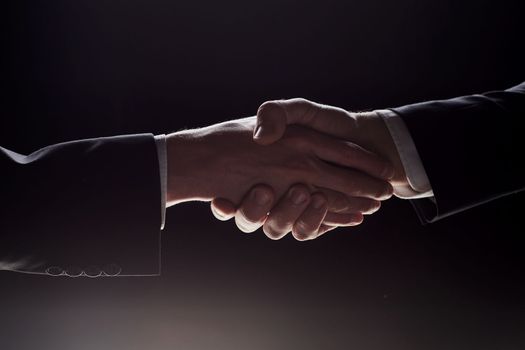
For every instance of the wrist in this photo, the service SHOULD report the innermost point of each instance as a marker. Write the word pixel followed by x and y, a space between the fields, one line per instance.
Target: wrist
pixel 187 160
pixel 375 136
pixel 218 161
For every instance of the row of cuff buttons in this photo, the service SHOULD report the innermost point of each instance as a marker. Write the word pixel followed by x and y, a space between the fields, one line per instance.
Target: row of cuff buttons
pixel 90 271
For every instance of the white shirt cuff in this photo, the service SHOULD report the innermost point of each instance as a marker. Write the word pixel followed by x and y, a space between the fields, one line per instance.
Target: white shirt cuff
pixel 416 175
pixel 160 141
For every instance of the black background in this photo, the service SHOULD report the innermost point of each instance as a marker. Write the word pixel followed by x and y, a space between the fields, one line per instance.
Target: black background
pixel 76 69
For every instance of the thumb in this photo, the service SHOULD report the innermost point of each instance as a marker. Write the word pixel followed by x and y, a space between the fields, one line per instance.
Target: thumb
pixel 271 123
pixel 274 116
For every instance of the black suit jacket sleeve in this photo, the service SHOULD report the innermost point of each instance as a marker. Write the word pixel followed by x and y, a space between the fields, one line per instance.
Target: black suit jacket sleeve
pixel 88 207
pixel 471 147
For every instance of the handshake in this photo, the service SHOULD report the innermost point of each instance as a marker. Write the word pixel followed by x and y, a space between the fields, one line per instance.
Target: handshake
pixel 298 167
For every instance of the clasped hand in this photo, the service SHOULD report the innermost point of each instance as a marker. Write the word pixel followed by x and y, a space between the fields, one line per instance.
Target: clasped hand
pixel 308 178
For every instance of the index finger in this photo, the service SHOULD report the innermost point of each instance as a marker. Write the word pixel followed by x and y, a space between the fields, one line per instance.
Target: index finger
pixel 351 155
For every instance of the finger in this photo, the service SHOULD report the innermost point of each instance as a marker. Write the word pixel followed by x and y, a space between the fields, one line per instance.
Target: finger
pixel 281 218
pixel 339 203
pixel 350 155
pixel 325 228
pixel 274 116
pixel 353 183
pixel 223 209
pixel 343 153
pixel 344 220
pixel 254 208
pixel 307 225
pixel 271 123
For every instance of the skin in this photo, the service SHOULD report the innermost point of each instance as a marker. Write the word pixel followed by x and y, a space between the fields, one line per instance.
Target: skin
pixel 304 171
pixel 280 216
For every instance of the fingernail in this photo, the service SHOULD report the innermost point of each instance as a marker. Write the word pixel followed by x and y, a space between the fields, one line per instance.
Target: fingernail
pixel 261 197
pixel 298 197
pixel 318 202
pixel 257 132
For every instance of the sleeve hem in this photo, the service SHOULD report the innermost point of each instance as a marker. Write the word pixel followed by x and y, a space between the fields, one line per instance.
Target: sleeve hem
pixel 419 184
pixel 160 141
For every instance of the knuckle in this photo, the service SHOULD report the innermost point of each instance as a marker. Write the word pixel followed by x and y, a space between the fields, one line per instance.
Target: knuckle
pixel 300 188
pixel 298 196
pixel 302 230
pixel 267 107
pixel 261 198
pixel 301 102
pixel 319 200
pixel 271 233
pixel 301 236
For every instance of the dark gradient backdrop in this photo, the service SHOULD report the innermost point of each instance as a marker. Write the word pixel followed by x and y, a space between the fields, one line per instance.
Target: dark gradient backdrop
pixel 75 69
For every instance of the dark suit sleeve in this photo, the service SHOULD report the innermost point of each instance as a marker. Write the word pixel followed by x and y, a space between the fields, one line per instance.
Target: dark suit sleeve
pixel 471 148
pixel 82 208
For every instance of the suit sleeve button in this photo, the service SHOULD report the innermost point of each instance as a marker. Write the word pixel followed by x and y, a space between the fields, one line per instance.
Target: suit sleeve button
pixel 73 271
pixel 92 271
pixel 55 271
pixel 112 269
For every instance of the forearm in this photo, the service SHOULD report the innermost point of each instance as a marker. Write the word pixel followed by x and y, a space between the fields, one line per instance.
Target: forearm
pixel 189 161
pixel 470 147
pixel 83 203
pixel 375 136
